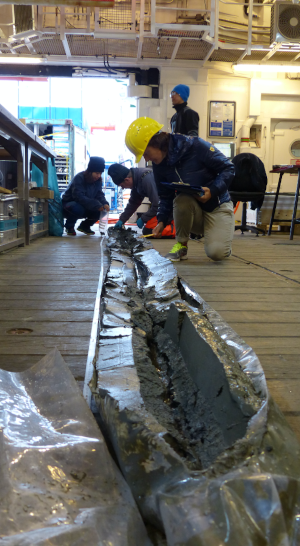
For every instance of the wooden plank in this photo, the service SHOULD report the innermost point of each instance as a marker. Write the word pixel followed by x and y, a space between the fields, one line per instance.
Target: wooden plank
pixel 231 285
pixel 42 345
pixel 285 393
pixel 19 363
pixel 258 306
pixel 39 305
pixel 35 289
pixel 262 317
pixel 261 297
pixel 294 422
pixel 271 346
pixel 51 281
pixel 48 329
pixel 282 366
pixel 262 329
pixel 256 291
pixel 49 296
pixel 47 316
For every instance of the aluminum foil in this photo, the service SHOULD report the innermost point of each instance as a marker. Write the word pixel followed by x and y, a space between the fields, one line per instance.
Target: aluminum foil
pixel 249 494
pixel 59 485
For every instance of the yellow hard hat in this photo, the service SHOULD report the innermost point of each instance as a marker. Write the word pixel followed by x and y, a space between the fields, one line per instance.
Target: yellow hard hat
pixel 139 133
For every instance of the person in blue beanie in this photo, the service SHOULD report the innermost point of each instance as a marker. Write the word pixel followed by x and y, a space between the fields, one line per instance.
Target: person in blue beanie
pixel 84 198
pixel 141 183
pixel 185 120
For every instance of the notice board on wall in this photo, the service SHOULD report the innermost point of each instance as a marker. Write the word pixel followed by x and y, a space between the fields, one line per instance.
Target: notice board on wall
pixel 221 121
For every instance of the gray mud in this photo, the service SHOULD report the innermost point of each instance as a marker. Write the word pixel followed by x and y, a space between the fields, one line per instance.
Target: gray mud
pixel 170 394
pixel 167 388
pixel 125 240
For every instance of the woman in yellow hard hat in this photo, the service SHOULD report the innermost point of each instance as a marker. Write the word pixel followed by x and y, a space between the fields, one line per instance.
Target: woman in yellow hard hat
pixel 192 179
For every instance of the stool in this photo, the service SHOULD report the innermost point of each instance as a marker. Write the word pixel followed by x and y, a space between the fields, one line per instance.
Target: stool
pixel 244 197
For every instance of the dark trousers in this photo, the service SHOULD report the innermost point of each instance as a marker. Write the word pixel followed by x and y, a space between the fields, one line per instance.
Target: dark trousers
pixel 74 211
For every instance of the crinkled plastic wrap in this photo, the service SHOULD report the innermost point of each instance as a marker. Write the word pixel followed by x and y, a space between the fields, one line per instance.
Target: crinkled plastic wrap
pixel 59 485
pixel 249 493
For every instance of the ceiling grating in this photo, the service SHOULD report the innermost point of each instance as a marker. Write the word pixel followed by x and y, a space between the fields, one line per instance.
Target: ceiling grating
pixel 223 55
pixel 86 46
pixel 168 31
pixel 49 45
pixel 193 50
pixel 283 56
pixel 122 48
pixel 256 55
pixel 160 48
pixel 181 33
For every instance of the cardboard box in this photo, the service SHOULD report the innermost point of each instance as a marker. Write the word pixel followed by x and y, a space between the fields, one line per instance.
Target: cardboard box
pixel 41 193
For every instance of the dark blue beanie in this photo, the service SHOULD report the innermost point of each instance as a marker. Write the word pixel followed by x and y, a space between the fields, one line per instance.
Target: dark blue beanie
pixel 183 91
pixel 118 173
pixel 96 164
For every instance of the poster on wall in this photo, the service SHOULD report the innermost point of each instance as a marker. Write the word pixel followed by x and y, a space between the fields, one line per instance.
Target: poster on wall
pixel 221 119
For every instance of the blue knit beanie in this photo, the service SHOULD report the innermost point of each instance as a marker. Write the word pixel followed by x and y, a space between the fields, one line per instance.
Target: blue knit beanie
pixel 118 173
pixel 96 164
pixel 183 91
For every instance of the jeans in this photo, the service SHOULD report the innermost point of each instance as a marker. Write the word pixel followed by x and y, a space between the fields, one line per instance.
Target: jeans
pixel 217 226
pixel 74 211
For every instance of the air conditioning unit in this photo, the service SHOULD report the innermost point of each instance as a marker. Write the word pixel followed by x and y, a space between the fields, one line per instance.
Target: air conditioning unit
pixel 285 22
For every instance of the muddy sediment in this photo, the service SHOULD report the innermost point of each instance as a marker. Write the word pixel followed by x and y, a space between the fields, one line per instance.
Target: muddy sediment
pixel 168 389
pixel 185 404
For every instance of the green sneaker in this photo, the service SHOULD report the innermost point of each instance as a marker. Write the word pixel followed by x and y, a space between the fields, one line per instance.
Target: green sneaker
pixel 178 252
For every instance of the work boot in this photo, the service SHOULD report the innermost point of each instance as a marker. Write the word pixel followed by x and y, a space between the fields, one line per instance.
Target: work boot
pixel 177 253
pixel 85 227
pixel 71 232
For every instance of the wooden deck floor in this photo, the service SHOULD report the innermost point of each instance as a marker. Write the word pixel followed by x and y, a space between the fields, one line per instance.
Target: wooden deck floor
pixel 257 291
pixel 49 288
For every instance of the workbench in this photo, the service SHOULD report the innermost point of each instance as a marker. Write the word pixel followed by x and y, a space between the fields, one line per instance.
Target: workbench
pixel 18 143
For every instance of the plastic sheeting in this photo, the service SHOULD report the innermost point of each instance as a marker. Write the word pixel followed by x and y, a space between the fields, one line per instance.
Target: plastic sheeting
pixel 59 485
pixel 56 219
pixel 249 495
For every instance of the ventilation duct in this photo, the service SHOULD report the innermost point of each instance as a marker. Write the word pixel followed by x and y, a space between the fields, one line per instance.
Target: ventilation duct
pixel 285 23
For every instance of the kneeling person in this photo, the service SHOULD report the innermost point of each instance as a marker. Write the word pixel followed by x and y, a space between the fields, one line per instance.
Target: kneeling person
pixel 192 178
pixel 84 198
pixel 141 183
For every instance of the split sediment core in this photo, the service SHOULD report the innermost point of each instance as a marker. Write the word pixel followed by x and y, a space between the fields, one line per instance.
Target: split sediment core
pixel 182 398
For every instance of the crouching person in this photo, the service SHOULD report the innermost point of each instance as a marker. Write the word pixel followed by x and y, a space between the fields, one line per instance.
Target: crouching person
pixel 141 183
pixel 84 198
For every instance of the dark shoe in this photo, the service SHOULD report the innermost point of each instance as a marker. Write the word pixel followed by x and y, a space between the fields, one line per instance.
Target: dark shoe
pixel 177 253
pixel 195 237
pixel 86 230
pixel 71 232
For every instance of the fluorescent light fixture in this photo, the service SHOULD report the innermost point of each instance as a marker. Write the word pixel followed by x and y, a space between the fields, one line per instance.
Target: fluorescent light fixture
pixel 20 60
pixel 243 67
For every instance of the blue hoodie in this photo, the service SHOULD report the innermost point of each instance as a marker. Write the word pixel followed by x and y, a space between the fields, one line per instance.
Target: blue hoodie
pixel 198 163
pixel 87 194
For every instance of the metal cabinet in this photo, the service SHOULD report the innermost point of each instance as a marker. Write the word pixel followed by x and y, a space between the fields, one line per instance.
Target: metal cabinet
pixel 8 218
pixel 22 218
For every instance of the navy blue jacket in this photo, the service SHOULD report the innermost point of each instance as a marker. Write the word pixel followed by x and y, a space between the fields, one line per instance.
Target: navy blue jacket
pixel 87 194
pixel 198 163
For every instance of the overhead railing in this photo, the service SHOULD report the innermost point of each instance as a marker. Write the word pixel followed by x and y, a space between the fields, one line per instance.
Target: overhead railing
pixel 127 32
